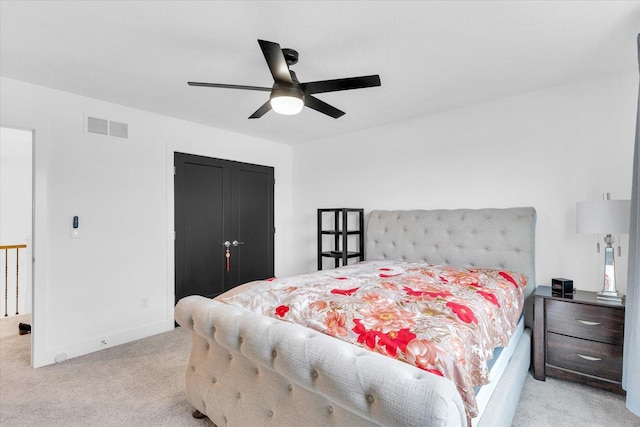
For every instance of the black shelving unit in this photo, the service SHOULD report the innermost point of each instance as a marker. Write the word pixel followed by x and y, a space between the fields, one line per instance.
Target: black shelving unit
pixel 339 248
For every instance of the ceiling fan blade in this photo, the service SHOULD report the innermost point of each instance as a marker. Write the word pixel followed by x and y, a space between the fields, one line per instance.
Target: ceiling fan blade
pixel 322 107
pixel 341 84
pixel 263 89
pixel 276 62
pixel 261 111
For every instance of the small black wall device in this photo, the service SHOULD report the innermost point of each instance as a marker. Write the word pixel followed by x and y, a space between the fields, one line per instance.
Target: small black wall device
pixel 562 287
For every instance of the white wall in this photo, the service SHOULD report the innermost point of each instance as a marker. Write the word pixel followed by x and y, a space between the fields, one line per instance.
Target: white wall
pixel 548 149
pixel 88 290
pixel 15 218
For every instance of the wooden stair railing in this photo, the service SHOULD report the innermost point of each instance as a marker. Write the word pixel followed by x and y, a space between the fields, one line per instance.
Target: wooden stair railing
pixel 6 249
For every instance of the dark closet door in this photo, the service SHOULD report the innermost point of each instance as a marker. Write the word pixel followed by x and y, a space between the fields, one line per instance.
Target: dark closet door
pixel 252 259
pixel 218 201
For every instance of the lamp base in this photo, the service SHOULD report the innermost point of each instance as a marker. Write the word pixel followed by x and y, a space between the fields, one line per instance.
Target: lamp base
pixel 610 298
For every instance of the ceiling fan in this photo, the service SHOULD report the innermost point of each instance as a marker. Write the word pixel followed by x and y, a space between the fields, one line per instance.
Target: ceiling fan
pixel 288 95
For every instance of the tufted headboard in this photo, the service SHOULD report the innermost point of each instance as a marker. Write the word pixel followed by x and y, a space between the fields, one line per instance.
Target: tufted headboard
pixel 490 238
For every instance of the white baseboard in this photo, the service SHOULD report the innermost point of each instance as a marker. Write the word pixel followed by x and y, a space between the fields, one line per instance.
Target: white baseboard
pixel 68 351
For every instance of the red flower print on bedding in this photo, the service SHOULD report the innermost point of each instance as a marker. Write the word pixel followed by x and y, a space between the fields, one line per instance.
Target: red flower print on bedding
pixel 463 312
pixel 393 340
pixel 347 292
pixel 365 336
pixel 414 293
pixel 490 297
pixel 509 278
pixel 390 341
pixel 387 275
pixel 282 310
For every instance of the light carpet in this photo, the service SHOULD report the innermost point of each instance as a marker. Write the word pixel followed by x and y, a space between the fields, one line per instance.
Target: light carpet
pixel 142 384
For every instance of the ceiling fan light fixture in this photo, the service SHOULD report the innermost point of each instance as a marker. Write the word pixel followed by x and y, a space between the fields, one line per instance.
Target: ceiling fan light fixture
pixel 287 100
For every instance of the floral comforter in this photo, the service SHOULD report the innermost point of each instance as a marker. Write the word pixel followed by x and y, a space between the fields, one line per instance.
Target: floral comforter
pixel 441 319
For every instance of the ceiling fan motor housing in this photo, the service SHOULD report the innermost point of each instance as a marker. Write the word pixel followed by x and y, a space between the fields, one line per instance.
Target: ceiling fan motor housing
pixel 290 56
pixel 280 89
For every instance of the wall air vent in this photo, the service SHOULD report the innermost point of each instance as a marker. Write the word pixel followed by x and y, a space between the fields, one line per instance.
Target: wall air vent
pixel 99 126
pixel 106 127
pixel 121 130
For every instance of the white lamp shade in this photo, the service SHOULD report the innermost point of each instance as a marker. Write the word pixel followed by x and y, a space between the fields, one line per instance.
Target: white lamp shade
pixel 603 217
pixel 288 105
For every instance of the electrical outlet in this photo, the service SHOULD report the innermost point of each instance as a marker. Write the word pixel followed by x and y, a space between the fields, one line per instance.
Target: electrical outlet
pixel 104 342
pixel 144 302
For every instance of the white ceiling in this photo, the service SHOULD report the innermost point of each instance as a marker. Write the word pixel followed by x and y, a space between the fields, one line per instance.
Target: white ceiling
pixel 431 55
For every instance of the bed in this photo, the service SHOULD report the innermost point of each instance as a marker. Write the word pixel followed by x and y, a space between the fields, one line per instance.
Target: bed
pixel 249 369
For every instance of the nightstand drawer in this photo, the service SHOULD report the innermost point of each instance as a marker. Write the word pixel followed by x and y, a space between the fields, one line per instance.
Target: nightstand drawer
pixel 592 322
pixel 589 357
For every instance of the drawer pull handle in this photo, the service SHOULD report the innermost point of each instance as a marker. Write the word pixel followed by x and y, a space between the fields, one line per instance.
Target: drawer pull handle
pixel 588 323
pixel 589 358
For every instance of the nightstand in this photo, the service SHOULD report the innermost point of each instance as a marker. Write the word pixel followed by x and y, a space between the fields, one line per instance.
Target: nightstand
pixel 578 339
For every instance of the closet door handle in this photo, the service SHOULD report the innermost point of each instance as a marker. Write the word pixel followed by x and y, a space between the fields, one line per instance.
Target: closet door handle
pixel 236 243
pixel 589 358
pixel 588 323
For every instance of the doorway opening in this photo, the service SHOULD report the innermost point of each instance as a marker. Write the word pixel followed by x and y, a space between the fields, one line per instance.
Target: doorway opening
pixel 16 230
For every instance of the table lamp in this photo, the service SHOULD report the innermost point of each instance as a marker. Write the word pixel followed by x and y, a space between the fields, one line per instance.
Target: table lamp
pixel 605 217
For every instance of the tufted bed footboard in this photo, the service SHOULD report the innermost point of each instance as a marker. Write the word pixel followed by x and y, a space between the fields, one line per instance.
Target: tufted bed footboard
pixel 246 369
